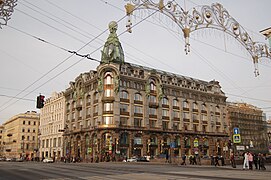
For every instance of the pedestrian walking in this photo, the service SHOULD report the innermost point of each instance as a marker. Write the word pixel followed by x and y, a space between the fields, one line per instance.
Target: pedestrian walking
pixel 262 162
pixel 194 160
pixel 212 160
pixel 245 163
pixel 167 156
pixel 216 161
pixel 222 161
pixel 250 160
pixel 190 159
pixel 198 160
pixel 255 160
pixel 232 158
pixel 183 159
pixel 259 160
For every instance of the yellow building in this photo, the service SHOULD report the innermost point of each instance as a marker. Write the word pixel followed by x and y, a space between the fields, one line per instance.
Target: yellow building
pixel 20 136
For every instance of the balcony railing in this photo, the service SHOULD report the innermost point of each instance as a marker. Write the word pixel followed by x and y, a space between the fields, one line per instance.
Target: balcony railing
pixel 195 110
pixel 138 114
pixel 152 116
pixel 107 112
pixel 125 113
pixel 204 122
pixel 204 111
pixel 124 100
pixel 165 117
pixel 176 119
pixel 186 120
pixel 138 102
pixel 195 121
pixel 153 104
pixel 108 99
pixel 165 105
pixel 176 107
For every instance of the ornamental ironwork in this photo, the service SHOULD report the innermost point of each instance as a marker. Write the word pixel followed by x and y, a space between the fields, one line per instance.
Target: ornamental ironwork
pixel 6 10
pixel 201 17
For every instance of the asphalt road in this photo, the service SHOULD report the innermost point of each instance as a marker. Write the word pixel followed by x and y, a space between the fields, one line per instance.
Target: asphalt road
pixel 123 171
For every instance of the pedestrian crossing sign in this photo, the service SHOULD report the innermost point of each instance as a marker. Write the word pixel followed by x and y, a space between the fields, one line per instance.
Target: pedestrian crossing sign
pixel 236 138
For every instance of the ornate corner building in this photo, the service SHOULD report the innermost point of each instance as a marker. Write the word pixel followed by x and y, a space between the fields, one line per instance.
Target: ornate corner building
pixel 123 110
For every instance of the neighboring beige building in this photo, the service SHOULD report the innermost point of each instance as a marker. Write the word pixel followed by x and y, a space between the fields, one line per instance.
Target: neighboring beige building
pixel 252 125
pixel 1 141
pixel 51 124
pixel 21 135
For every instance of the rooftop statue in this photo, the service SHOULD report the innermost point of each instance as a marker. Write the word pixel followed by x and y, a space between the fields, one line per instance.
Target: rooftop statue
pixel 112 51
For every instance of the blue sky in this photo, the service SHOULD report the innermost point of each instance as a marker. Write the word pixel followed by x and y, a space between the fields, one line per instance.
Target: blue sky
pixel 155 42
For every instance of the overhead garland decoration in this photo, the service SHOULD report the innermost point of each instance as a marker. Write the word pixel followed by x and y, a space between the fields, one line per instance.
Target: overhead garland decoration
pixel 201 17
pixel 6 10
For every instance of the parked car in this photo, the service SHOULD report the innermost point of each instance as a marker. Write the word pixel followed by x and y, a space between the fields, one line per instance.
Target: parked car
pixel 142 159
pixel 2 158
pixel 132 159
pixel 19 159
pixel 8 159
pixel 48 160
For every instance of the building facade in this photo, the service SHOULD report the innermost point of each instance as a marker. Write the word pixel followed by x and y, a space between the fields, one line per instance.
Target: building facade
pixel 1 141
pixel 251 124
pixel 268 123
pixel 123 110
pixel 51 126
pixel 20 137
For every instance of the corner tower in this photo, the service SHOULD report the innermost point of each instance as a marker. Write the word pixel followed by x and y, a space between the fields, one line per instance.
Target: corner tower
pixel 112 51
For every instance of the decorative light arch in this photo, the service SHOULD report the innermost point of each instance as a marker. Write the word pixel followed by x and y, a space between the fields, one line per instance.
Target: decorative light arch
pixel 201 17
pixel 6 9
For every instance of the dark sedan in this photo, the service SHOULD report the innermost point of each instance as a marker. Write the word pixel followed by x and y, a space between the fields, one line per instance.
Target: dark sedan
pixel 142 159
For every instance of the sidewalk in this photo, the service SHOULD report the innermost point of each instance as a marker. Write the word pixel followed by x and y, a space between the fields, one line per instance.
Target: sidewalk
pixel 229 167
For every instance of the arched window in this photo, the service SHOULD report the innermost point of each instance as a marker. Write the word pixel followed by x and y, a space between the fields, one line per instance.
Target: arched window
pixel 88 100
pixel 185 104
pixel 87 144
pixel 203 108
pixel 153 140
pixel 195 106
pixel 152 86
pixel 73 104
pixel 138 97
pixel 152 99
pixel 166 141
pixel 178 141
pixel 124 138
pixel 96 96
pixel 124 95
pixel 165 101
pixel 137 140
pixel 186 141
pixel 175 102
pixel 68 106
pixel 108 79
pixel 217 110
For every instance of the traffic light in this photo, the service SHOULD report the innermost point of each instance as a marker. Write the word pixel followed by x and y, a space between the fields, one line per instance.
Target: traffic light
pixel 40 101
